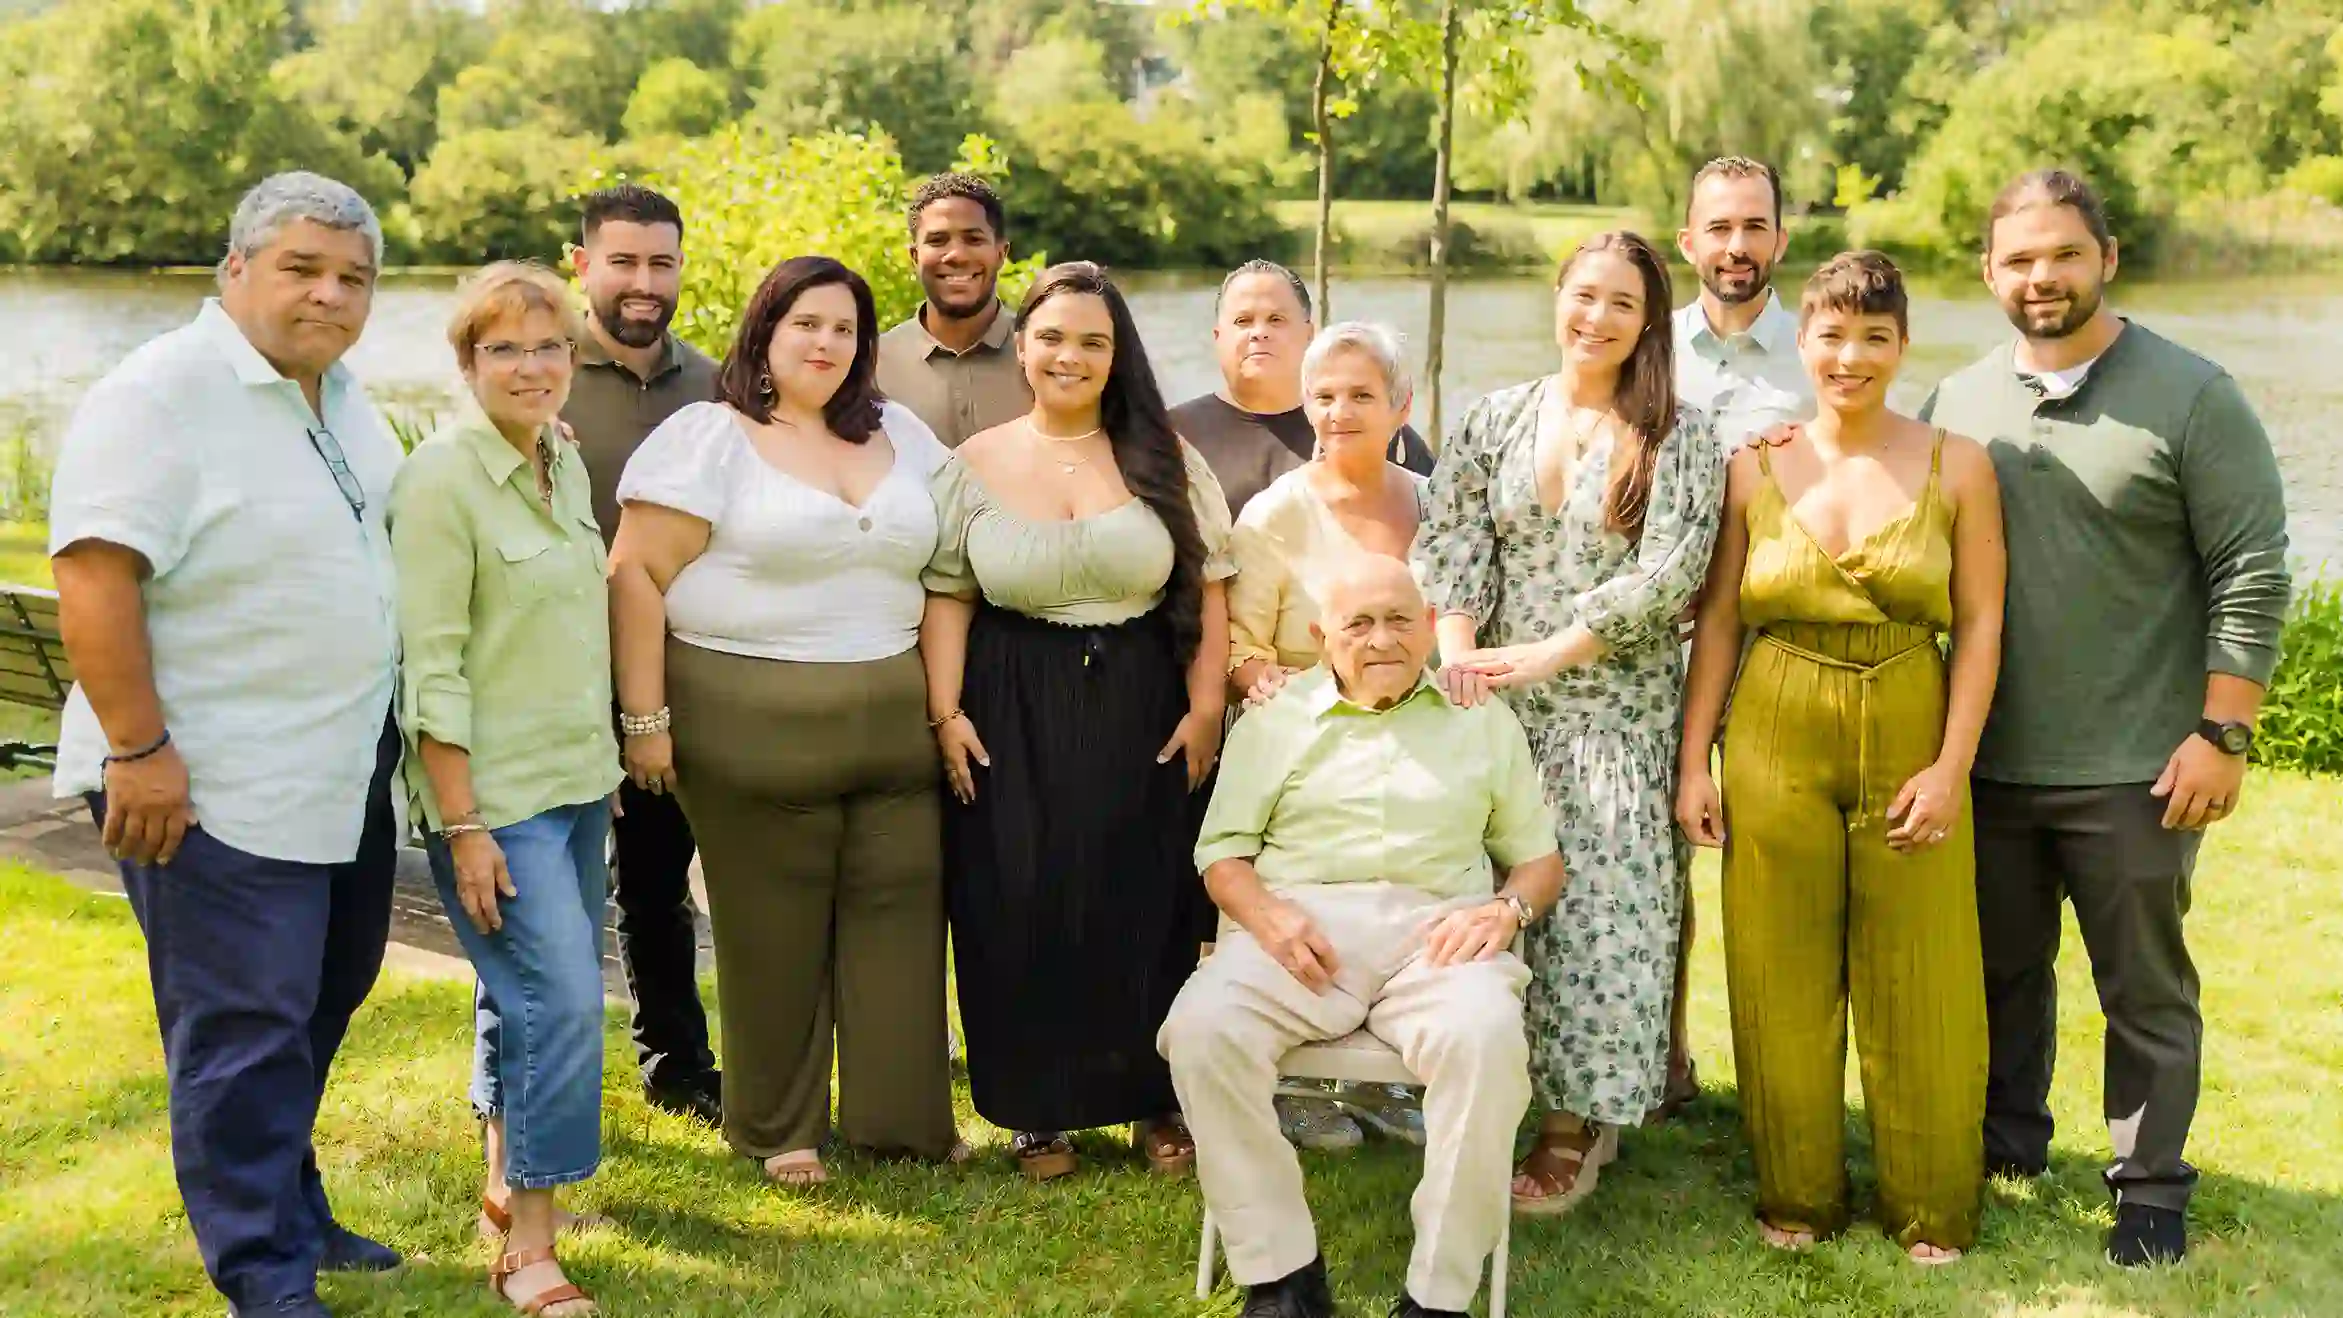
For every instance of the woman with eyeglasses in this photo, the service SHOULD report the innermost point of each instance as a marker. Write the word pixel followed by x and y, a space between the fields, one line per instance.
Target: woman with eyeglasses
pixel 766 605
pixel 505 703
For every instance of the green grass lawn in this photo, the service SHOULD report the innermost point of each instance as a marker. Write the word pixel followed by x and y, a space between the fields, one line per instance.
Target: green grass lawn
pixel 90 1224
pixel 24 554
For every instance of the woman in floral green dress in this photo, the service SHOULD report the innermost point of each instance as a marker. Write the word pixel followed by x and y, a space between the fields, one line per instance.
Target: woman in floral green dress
pixel 1571 523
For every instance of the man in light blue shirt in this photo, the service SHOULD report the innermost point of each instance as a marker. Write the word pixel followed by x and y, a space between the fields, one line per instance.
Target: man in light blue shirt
pixel 225 592
pixel 1736 344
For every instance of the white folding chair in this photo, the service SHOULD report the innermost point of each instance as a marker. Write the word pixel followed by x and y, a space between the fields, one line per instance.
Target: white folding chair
pixel 1362 1058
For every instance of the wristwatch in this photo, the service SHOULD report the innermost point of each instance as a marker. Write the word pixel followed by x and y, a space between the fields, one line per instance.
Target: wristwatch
pixel 1521 912
pixel 2231 738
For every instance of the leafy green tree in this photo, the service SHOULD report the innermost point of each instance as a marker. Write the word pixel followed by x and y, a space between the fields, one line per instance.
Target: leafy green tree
pixel 493 193
pixel 677 98
pixel 374 69
pixel 884 68
pixel 2144 115
pixel 133 126
pixel 753 200
pixel 559 67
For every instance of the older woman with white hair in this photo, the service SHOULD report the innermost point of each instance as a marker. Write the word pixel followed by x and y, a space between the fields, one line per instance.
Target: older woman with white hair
pixel 1349 499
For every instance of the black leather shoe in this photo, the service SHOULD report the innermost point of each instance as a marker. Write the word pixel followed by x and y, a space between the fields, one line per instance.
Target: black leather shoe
pixel 299 1306
pixel 347 1251
pixel 2145 1235
pixel 2017 1171
pixel 701 1099
pixel 1406 1307
pixel 1299 1294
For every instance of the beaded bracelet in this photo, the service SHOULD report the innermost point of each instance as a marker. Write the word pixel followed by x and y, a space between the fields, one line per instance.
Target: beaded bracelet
pixel 135 756
pixel 642 725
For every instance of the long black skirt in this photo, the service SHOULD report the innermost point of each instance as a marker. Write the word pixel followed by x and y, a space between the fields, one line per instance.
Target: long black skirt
pixel 1071 879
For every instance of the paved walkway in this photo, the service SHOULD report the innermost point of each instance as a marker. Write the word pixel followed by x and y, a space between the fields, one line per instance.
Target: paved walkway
pixel 57 836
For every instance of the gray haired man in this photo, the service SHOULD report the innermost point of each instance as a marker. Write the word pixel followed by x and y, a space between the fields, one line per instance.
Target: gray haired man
pixel 224 586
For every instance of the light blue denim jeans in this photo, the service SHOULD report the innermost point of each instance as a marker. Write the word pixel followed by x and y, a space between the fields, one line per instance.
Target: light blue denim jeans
pixel 538 1058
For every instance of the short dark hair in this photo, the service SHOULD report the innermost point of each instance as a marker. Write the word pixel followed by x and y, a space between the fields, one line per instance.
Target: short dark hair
pixel 964 187
pixel 630 203
pixel 1257 266
pixel 1736 167
pixel 1864 283
pixel 853 411
pixel 2051 187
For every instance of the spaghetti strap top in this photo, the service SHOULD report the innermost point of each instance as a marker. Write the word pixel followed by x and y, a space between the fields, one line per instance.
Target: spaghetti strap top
pixel 1899 576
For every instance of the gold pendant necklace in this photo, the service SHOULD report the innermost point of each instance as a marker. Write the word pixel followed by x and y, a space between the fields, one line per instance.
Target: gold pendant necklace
pixel 1067 465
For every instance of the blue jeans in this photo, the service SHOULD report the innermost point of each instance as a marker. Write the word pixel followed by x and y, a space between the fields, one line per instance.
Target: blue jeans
pixel 257 965
pixel 538 1061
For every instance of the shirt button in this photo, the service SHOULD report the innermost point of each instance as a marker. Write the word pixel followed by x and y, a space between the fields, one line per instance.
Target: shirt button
pixel 864 523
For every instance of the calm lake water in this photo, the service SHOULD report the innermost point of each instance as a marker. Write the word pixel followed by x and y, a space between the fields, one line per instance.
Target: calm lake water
pixel 2282 338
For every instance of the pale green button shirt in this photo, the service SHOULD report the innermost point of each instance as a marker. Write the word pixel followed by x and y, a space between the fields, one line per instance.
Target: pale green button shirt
pixel 505 620
pixel 1317 790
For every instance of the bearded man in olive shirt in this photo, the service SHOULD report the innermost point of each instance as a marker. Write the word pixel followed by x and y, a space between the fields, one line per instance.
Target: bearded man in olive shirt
pixel 2147 588
pixel 1255 429
pixel 633 374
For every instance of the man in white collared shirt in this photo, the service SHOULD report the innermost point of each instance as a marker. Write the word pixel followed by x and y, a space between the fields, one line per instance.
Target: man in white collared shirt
pixel 225 591
pixel 1736 344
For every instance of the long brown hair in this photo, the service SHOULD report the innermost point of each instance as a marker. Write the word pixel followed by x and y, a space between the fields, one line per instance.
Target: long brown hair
pixel 1646 397
pixel 1146 447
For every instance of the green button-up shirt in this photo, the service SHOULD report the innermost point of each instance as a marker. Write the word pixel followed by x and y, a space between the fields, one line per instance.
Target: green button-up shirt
pixel 611 410
pixel 505 622
pixel 1315 789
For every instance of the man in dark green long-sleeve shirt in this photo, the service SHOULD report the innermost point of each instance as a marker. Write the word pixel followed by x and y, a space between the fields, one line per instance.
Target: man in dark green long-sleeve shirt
pixel 2148 584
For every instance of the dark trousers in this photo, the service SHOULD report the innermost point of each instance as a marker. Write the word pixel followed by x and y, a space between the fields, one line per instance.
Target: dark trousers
pixel 2106 850
pixel 658 946
pixel 257 967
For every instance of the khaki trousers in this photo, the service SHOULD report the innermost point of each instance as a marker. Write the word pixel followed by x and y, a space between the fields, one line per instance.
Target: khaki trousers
pixel 1458 1028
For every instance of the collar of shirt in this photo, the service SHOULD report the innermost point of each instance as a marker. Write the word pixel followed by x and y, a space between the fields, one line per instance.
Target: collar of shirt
pixel 1325 696
pixel 2058 386
pixel 227 337
pixel 1775 329
pixel 995 337
pixel 592 353
pixel 497 455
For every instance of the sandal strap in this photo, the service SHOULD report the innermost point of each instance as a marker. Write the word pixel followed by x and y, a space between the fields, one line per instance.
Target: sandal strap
pixel 498 1216
pixel 508 1264
pixel 546 1299
pixel 1555 1159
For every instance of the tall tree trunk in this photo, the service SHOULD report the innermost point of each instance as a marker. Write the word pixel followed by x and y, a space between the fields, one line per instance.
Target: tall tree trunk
pixel 1321 123
pixel 1450 24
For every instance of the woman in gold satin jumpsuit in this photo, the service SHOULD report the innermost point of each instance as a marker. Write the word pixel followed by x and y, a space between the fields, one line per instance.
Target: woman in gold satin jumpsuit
pixel 1851 548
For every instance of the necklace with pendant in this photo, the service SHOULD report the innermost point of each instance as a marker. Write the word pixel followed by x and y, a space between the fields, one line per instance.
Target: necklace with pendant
pixel 1066 465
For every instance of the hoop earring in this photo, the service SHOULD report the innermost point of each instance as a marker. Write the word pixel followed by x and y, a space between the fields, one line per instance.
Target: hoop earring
pixel 765 385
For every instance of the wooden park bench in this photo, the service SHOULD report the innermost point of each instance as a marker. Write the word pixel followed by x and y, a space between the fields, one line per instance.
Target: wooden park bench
pixel 33 667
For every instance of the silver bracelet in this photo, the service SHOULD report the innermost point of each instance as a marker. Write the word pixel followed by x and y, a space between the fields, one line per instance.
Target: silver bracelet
pixel 642 725
pixel 454 831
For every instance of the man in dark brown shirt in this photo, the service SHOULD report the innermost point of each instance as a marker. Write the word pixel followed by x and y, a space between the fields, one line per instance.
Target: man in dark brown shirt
pixel 952 363
pixel 633 374
pixel 1254 429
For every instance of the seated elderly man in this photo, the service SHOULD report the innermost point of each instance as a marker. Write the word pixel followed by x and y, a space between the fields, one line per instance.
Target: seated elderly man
pixel 1350 842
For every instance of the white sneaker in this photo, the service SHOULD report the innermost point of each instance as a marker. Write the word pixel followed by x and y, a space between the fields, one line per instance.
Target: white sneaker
pixel 1317 1125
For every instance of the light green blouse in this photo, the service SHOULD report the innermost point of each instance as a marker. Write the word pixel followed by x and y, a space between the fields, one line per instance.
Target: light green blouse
pixel 505 623
pixel 1090 571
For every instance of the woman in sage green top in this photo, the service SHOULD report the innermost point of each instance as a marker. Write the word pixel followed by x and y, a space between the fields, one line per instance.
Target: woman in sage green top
pixel 505 702
pixel 1076 643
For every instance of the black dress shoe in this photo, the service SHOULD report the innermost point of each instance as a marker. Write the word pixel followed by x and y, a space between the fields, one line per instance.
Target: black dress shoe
pixel 2146 1235
pixel 2017 1171
pixel 1299 1294
pixel 1406 1307
pixel 700 1098
pixel 299 1306
pixel 347 1251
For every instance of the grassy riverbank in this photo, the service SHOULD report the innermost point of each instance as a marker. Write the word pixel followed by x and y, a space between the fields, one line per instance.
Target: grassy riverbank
pixel 90 1224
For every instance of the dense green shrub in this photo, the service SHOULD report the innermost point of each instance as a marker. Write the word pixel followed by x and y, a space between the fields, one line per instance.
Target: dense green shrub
pixel 496 193
pixel 2302 718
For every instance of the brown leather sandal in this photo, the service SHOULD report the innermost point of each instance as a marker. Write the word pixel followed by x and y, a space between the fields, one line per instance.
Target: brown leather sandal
pixel 1170 1149
pixel 1682 1091
pixel 1044 1155
pixel 1565 1168
pixel 565 1293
